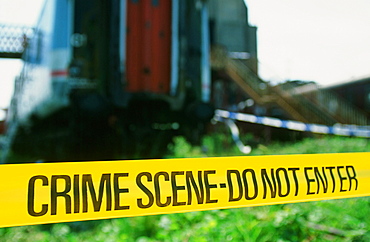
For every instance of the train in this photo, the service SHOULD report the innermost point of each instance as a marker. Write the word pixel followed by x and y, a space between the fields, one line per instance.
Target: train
pixel 112 79
pixel 356 92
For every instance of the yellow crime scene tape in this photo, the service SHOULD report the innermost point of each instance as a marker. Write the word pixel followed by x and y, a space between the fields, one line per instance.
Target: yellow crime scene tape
pixel 75 191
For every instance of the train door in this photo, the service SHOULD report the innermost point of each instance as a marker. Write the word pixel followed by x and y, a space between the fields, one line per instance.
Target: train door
pixel 90 41
pixel 94 40
pixel 148 46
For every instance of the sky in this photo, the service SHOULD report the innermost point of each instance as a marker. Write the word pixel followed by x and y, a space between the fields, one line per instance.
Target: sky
pixel 327 41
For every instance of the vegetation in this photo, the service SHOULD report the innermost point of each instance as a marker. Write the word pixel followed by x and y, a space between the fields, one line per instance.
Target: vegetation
pixel 332 220
pixel 222 145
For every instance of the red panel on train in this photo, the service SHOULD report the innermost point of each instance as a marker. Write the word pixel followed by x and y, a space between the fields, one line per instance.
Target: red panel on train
pixel 148 46
pixel 2 127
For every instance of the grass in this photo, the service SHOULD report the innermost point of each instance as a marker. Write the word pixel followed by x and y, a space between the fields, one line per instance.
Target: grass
pixel 332 220
pixel 313 146
pixel 222 145
pixel 335 220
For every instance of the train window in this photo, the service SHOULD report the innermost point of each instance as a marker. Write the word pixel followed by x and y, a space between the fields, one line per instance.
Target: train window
pixel 39 46
pixel 367 102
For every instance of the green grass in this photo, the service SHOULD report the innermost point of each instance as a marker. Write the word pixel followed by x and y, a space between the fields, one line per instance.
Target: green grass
pixel 335 220
pixel 222 145
pixel 332 220
pixel 319 145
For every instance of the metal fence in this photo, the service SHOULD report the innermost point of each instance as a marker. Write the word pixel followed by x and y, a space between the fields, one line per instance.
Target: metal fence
pixel 13 40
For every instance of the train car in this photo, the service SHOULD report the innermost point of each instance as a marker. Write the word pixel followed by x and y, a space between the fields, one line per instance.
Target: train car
pixel 112 79
pixel 356 92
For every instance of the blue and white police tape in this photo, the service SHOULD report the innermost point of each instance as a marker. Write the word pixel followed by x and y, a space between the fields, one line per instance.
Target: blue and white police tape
pixel 337 129
pixel 246 149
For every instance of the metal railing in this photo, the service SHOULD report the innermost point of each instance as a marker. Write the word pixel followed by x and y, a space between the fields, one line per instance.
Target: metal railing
pixel 257 84
pixel 318 106
pixel 306 103
pixel 14 40
pixel 313 112
pixel 336 106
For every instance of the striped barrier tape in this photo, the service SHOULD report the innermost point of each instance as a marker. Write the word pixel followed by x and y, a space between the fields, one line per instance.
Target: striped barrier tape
pixel 76 191
pixel 245 149
pixel 338 129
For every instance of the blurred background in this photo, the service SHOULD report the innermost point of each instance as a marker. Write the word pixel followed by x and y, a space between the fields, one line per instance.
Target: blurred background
pixel 131 79
pixel 156 71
